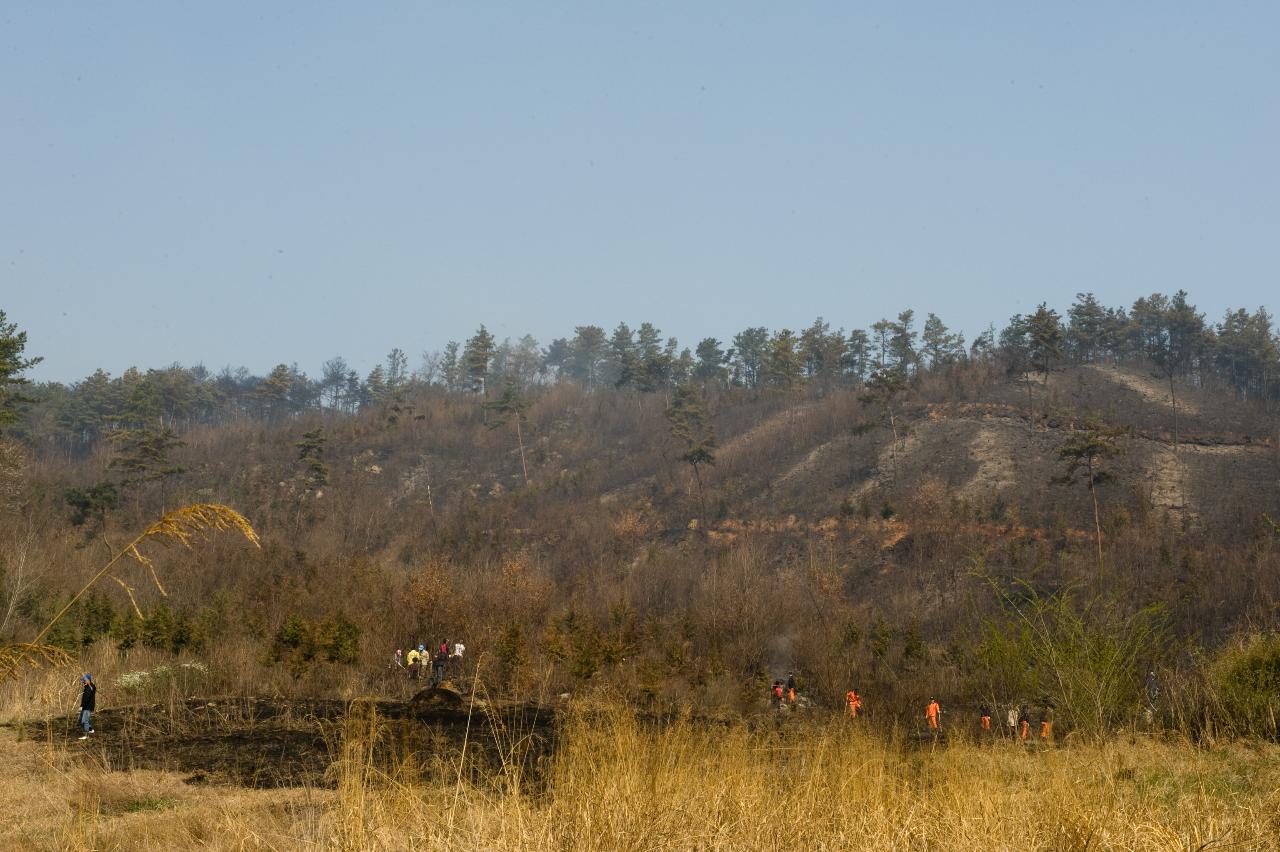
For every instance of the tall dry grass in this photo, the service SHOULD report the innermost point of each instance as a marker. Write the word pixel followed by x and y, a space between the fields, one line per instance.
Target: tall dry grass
pixel 617 782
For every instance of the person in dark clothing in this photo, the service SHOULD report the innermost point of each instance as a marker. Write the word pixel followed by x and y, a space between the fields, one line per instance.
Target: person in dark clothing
pixel 88 701
pixel 437 666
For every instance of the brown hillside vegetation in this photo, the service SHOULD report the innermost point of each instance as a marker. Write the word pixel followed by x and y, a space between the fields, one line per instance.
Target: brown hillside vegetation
pixel 821 531
pixel 928 546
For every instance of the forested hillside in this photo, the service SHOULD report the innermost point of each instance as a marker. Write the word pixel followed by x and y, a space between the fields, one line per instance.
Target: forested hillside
pixel 879 506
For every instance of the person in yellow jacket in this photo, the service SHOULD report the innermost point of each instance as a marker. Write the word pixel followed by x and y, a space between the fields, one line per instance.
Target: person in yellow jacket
pixel 414 659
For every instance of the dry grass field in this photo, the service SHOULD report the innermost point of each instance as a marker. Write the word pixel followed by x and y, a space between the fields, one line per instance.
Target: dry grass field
pixel 618 783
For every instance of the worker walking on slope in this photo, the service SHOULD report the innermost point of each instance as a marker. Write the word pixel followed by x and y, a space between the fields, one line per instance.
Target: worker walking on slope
pixel 1024 722
pixel 791 687
pixel 931 713
pixel 984 714
pixel 855 703
pixel 414 658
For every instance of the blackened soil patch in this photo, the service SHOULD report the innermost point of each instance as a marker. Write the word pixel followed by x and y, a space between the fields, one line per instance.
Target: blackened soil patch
pixel 259 742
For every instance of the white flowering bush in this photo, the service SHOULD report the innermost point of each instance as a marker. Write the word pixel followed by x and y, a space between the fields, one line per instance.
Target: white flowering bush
pixel 139 680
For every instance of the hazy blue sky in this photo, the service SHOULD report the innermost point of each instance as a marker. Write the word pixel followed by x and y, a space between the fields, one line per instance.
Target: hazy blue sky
pixel 250 183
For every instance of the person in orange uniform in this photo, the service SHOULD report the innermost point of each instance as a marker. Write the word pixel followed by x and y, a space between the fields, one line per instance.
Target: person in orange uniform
pixel 1024 721
pixel 1046 723
pixel 931 713
pixel 985 713
pixel 855 703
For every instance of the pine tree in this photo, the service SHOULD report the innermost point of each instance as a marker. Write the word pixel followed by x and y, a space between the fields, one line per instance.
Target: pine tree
pixel 511 407
pixel 476 359
pixel 748 356
pixel 856 358
pixel 586 354
pixel 1177 346
pixel 941 347
pixel 881 333
pixel 783 368
pixel 1146 331
pixel 451 366
pixel 143 455
pixel 814 350
pixel 621 369
pixel 375 386
pixel 1086 334
pixel 682 367
pixel 355 397
pixel 984 345
pixel 1044 343
pixel 13 364
pixel 882 388
pixel 1084 453
pixel 648 342
pixel 272 392
pixel 654 363
pixel 303 393
pixel 92 503
pixel 657 366
pixel 557 357
pixel 689 423
pixel 85 413
pixel 1044 337
pixel 311 454
pixel 902 344
pixel 333 381
pixel 397 369
pixel 711 362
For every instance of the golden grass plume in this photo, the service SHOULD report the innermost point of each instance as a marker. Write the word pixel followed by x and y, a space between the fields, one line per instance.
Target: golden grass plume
pixel 185 526
pixel 33 655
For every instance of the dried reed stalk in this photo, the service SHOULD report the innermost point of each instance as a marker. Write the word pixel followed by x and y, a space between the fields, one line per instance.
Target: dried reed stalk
pixel 185 526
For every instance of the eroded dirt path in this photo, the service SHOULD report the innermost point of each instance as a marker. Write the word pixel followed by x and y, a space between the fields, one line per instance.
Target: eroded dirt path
pixel 997 468
pixel 1149 388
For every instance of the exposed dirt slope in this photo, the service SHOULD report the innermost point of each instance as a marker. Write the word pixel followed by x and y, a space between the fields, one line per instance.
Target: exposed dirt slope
pixel 990 453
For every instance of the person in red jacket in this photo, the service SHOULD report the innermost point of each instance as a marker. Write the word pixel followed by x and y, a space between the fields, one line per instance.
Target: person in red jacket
pixel 855 703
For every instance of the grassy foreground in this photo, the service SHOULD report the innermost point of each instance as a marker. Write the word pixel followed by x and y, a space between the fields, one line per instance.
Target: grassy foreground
pixel 617 784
